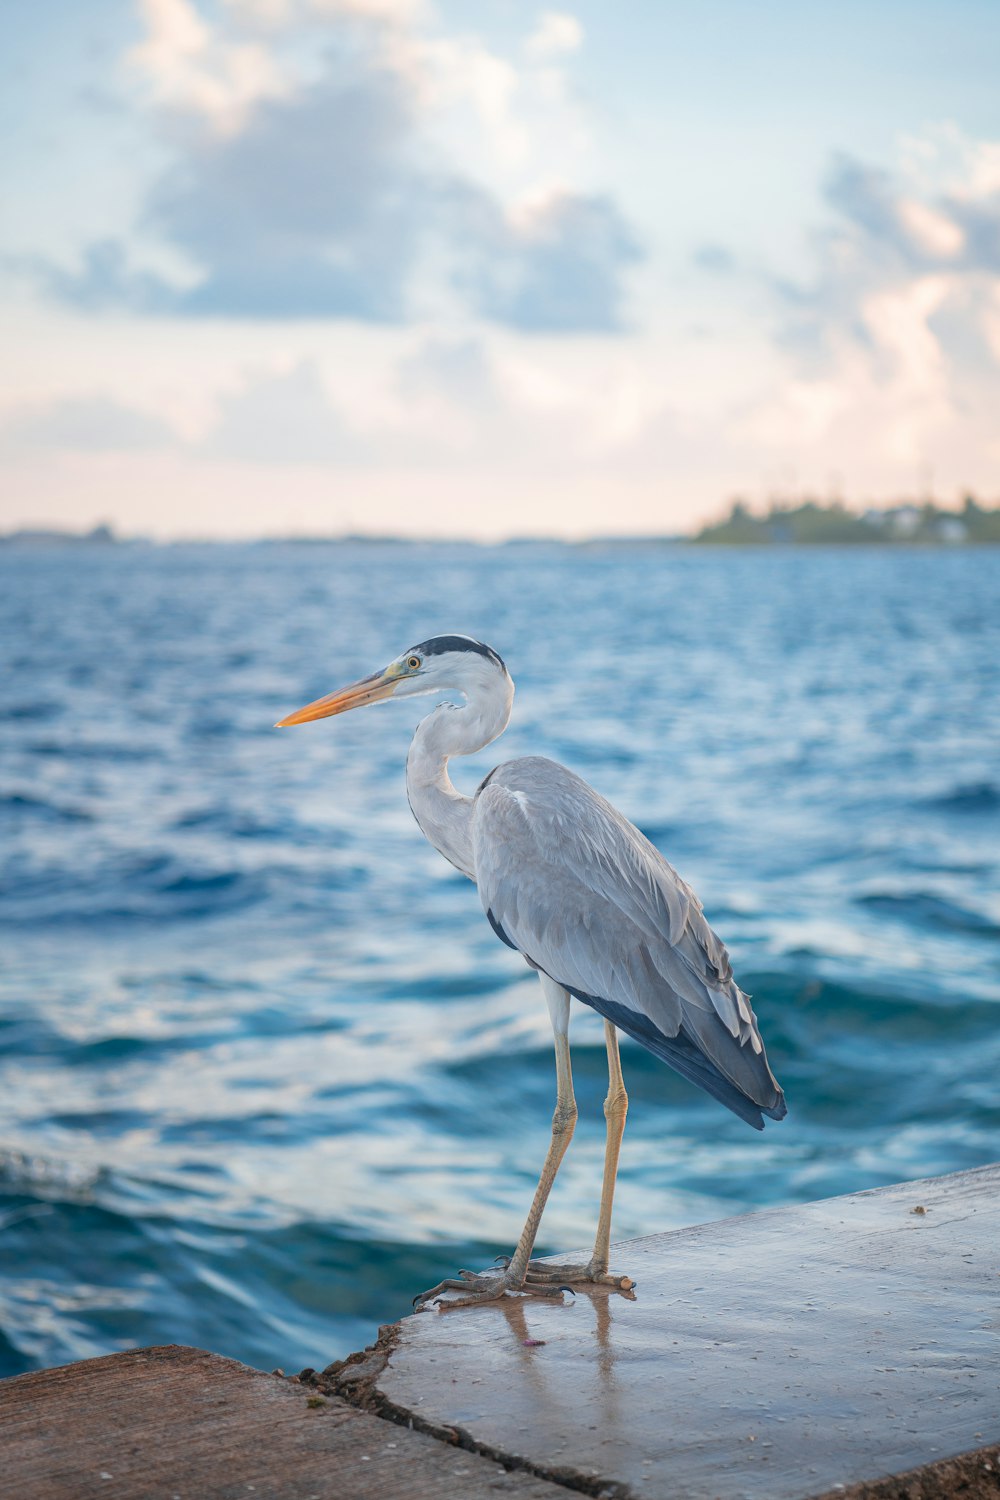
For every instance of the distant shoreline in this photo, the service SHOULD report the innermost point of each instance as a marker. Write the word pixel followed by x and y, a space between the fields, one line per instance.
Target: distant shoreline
pixel 807 524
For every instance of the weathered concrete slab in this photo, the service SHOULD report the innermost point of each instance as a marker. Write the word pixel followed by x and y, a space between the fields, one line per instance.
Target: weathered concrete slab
pixel 774 1356
pixel 179 1424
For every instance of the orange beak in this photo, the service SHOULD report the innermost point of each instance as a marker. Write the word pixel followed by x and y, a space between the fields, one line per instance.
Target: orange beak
pixel 368 690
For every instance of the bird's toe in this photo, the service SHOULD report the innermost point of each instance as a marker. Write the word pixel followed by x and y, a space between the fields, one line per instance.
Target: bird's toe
pixel 541 1273
pixel 489 1286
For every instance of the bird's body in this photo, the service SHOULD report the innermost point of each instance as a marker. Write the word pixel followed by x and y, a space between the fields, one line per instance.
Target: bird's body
pixel 591 904
pixel 577 889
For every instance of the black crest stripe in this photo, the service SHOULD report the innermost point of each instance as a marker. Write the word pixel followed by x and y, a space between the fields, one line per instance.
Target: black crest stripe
pixel 439 644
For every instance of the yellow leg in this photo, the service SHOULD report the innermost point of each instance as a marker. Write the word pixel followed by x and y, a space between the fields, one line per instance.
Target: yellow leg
pixel 542 1273
pixel 563 1124
pixel 485 1288
pixel 615 1110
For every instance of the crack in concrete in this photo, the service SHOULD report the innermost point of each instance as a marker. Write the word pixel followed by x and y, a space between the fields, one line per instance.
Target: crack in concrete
pixel 355 1380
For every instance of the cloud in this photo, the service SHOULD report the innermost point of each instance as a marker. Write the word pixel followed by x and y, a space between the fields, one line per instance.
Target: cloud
pixel 458 369
pixel 893 231
pixel 280 418
pixel 189 67
pixel 949 230
pixel 714 258
pixel 450 405
pixel 890 348
pixel 93 424
pixel 329 196
pixel 312 211
pixel 557 33
pixel 322 207
pixel 275 13
pixel 105 280
pixel 467 403
pixel 892 225
pixel 555 268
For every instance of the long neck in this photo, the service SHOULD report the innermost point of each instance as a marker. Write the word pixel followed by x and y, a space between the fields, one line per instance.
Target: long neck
pixel 443 813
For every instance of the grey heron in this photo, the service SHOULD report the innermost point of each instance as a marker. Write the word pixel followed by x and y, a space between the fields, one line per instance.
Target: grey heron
pixel 572 885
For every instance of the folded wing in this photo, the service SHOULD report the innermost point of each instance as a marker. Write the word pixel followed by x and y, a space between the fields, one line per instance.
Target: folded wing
pixel 576 888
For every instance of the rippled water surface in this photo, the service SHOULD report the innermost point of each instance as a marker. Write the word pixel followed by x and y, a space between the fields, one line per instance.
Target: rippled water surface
pixel 265 1072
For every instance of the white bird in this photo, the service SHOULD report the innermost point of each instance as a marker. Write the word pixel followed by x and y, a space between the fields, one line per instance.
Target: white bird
pixel 595 909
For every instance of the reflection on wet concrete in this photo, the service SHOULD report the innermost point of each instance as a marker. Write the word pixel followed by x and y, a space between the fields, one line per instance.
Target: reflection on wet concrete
pixel 774 1355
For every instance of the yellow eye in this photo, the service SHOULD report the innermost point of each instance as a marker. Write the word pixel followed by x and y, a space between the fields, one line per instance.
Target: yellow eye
pixel 413 662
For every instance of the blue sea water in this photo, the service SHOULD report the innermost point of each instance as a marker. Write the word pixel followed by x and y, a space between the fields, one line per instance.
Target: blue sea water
pixel 265 1071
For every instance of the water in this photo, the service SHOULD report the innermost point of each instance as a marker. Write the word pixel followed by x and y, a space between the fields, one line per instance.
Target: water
pixel 265 1072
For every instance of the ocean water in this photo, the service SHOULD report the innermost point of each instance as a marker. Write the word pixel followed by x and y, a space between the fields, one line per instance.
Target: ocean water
pixel 265 1072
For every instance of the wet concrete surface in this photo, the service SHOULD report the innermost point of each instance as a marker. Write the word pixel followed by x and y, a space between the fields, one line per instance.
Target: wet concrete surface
pixel 773 1356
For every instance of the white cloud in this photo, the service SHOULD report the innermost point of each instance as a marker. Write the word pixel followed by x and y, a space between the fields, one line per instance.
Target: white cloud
pixel 890 403
pixel 557 33
pixel 892 353
pixel 83 424
pixel 264 12
pixel 449 73
pixel 933 230
pixel 898 320
pixel 983 170
pixel 800 412
pixel 282 417
pixel 274 14
pixel 331 186
pixel 991 319
pixel 190 67
pixel 391 12
pixel 943 160
pixel 895 335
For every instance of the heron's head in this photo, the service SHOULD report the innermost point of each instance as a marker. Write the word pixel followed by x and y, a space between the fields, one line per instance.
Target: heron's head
pixel 454 663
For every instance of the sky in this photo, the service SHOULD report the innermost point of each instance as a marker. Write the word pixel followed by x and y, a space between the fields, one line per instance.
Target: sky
pixel 277 267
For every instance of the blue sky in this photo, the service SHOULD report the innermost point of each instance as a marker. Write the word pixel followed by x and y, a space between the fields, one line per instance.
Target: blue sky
pixel 308 265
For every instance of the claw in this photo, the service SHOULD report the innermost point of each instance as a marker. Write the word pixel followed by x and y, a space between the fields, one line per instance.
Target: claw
pixel 541 1280
pixel 540 1273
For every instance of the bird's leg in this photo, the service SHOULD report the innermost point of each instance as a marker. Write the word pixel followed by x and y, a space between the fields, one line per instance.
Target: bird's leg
pixel 615 1110
pixel 512 1275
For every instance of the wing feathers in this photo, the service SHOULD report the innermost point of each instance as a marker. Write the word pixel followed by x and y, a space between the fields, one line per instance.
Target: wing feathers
pixel 569 882
pixel 686 1058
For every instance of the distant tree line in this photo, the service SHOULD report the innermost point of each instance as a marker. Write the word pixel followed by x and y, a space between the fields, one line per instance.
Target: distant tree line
pixel 813 521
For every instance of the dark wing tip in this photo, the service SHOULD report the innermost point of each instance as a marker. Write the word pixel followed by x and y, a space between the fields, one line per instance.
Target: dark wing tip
pixel 498 929
pixel 684 1055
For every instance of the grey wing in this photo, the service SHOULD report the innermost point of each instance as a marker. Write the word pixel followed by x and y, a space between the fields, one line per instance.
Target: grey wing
pixel 571 884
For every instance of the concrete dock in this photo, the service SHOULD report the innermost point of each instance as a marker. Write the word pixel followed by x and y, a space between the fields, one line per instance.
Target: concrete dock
pixel 796 1353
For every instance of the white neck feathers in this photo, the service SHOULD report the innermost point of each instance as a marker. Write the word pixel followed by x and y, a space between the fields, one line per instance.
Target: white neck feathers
pixel 443 813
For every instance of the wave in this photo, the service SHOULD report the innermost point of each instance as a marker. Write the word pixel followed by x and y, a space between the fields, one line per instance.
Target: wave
pixel 291 1295
pixel 110 753
pixel 20 804
pixel 926 909
pixel 971 797
pixel 34 711
pixel 244 823
pixel 145 888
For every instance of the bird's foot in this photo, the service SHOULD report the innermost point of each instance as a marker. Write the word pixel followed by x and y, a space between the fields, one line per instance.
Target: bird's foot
pixel 489 1286
pixel 543 1273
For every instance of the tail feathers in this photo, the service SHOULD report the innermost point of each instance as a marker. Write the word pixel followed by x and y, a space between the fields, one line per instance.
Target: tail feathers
pixel 688 1059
